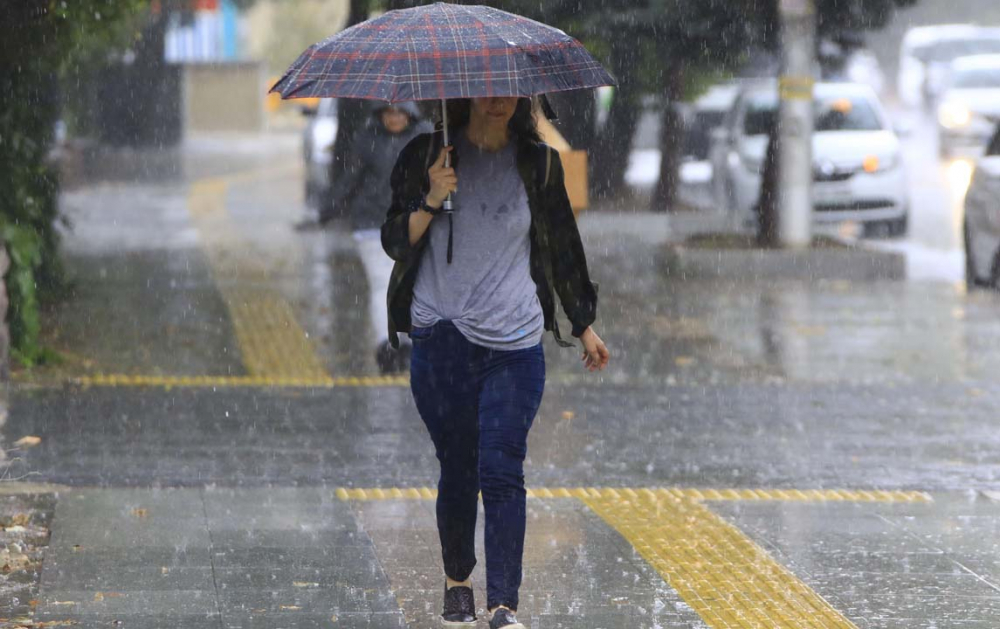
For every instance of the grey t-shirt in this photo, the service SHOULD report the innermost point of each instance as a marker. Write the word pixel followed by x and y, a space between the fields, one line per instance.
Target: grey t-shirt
pixel 487 290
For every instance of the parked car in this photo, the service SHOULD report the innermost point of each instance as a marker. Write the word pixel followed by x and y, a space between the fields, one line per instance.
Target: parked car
pixel 981 227
pixel 927 52
pixel 705 114
pixel 317 145
pixel 858 171
pixel 970 106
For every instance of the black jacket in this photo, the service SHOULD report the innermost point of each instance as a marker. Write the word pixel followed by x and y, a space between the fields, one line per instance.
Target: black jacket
pixel 361 186
pixel 558 262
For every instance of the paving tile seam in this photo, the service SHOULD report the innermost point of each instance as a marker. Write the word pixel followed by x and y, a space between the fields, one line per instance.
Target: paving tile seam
pixel 272 342
pixel 211 557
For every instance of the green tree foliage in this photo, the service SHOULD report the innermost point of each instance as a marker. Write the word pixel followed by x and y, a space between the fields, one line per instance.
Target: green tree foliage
pixel 38 39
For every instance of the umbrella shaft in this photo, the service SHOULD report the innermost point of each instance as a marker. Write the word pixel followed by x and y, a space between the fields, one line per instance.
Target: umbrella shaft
pixel 447 158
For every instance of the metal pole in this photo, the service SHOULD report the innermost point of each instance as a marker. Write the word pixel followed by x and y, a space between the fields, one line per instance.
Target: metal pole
pixel 795 126
pixel 447 158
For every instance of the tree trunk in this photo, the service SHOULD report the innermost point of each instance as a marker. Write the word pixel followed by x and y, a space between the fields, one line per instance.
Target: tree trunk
pixel 671 140
pixel 614 145
pixel 767 203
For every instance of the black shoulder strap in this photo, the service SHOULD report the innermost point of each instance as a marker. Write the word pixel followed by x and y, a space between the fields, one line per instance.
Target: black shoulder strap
pixel 543 167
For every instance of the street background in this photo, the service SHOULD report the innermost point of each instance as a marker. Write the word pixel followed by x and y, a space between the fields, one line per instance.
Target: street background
pixel 216 447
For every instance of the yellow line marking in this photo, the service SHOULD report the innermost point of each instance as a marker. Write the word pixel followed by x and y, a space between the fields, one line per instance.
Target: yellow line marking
pixel 722 574
pixel 272 343
pixel 219 382
pixel 672 493
pixel 730 581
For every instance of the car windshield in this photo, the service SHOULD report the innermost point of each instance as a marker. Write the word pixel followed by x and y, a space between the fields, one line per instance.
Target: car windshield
pixel 977 78
pixel 950 49
pixel 830 113
pixel 845 113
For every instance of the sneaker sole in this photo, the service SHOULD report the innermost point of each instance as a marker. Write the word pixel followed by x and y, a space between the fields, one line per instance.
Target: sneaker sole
pixel 454 623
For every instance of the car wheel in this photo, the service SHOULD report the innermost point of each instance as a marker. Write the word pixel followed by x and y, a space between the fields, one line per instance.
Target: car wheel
pixel 971 279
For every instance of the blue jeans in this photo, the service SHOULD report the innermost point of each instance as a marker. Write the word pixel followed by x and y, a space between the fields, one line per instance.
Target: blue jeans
pixel 478 405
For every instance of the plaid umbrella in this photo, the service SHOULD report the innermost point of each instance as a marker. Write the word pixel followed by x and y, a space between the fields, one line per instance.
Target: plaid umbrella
pixel 442 51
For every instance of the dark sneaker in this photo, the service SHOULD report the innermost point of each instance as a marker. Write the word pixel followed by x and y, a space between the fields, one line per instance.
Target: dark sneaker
pixel 459 607
pixel 505 618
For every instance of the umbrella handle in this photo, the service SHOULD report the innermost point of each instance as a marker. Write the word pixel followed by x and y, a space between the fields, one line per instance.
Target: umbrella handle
pixel 447 158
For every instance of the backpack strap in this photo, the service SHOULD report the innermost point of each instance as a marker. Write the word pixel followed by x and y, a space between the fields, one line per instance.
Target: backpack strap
pixel 548 164
pixel 542 169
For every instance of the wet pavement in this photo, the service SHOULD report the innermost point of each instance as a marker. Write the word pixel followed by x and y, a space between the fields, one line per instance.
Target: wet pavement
pixel 758 455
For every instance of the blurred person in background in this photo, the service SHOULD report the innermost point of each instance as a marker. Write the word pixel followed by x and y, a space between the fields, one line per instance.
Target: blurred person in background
pixel 362 193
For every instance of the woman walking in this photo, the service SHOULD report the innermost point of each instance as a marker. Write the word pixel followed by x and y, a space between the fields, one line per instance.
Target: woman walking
pixel 475 290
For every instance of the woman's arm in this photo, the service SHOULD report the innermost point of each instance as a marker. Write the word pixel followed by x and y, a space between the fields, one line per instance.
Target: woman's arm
pixel 577 293
pixel 407 187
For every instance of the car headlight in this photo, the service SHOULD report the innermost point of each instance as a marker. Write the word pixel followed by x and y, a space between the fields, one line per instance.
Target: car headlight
pixel 878 164
pixel 954 115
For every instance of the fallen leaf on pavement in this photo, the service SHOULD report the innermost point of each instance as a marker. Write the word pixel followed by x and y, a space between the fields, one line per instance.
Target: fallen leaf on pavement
pixel 29 441
pixel 140 512
pixel 305 584
pixel 290 608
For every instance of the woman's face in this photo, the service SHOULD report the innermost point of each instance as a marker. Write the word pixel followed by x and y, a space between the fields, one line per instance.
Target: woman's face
pixel 494 111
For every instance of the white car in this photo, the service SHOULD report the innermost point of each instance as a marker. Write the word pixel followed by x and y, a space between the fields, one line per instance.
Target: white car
pixel 970 106
pixel 857 168
pixel 317 148
pixel 982 220
pixel 927 52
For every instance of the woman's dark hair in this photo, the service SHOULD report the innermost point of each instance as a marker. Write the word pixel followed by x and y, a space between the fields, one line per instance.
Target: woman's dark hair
pixel 522 124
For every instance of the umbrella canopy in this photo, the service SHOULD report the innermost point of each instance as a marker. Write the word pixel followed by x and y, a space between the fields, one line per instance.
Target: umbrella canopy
pixel 443 51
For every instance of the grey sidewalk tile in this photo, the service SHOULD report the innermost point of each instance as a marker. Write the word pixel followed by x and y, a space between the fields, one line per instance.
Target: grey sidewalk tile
pixel 366 576
pixel 623 620
pixel 87 576
pixel 342 599
pixel 114 505
pixel 858 585
pixel 277 508
pixel 104 558
pixel 191 535
pixel 131 602
pixel 288 538
pixel 944 610
pixel 131 621
pixel 393 620
pixel 319 557
pixel 810 561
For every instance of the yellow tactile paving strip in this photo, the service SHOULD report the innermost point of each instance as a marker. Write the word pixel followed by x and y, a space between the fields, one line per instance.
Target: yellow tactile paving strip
pixel 721 573
pixel 221 382
pixel 698 495
pixel 730 581
pixel 272 343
